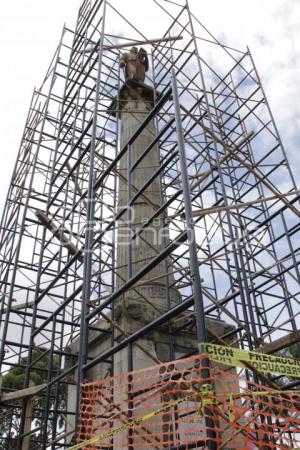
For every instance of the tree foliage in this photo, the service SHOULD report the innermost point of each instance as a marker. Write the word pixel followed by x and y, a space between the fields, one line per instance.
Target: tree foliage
pixel 14 380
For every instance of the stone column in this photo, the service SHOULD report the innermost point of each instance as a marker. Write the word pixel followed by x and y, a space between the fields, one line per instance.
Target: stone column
pixel 149 299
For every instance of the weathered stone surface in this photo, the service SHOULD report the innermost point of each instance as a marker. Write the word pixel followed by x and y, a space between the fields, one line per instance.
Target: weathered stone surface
pixel 144 303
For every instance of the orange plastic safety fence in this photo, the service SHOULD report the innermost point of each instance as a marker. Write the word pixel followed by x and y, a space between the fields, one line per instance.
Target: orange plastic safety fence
pixel 183 405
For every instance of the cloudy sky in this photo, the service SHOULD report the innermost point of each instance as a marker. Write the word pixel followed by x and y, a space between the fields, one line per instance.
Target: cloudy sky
pixel 30 30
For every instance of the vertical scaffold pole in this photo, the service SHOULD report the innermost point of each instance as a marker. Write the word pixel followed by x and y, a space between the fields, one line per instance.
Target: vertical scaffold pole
pixel 82 357
pixel 195 276
pixel 198 297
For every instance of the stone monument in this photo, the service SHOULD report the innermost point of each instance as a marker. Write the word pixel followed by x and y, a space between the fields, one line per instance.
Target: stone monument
pixel 135 64
pixel 152 295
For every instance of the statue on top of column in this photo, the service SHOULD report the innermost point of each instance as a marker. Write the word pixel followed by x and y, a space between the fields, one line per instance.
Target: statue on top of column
pixel 135 64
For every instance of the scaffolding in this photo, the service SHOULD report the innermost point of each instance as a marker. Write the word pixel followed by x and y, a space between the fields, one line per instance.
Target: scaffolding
pixel 225 179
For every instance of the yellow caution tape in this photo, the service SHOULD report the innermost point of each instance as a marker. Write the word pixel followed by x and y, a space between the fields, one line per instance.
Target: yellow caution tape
pixel 206 396
pixel 130 424
pixel 263 363
pixel 205 399
pixel 225 355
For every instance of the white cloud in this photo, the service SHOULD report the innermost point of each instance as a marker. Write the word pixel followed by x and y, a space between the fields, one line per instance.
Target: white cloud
pixel 30 30
pixel 271 30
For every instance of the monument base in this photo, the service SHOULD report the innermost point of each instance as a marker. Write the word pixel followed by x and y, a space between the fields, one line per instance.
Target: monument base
pixel 157 346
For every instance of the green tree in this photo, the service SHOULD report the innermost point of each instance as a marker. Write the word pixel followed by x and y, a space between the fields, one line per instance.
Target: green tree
pixel 293 351
pixel 14 380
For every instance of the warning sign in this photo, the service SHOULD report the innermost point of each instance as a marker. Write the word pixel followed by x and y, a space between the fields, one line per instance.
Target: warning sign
pixel 263 363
